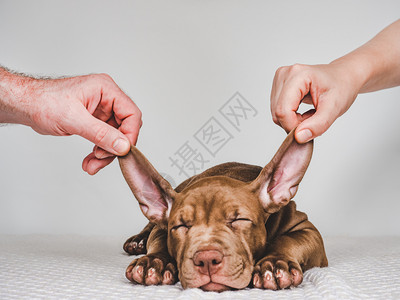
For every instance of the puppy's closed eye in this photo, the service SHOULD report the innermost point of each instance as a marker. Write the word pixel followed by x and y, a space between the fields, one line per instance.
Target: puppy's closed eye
pixel 180 228
pixel 240 222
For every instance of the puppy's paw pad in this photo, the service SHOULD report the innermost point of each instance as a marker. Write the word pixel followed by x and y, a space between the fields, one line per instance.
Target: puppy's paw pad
pixel 283 278
pixel 257 283
pixel 134 273
pixel 137 274
pixel 269 281
pixel 152 269
pixel 275 273
pixel 152 277
pixel 168 278
pixel 136 245
pixel 297 276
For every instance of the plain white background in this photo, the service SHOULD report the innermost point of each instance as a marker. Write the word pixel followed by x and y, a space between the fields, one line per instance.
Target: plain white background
pixel 180 61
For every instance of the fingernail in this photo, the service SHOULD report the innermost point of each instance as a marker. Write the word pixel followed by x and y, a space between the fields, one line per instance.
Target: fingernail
pixel 100 153
pixel 121 146
pixel 104 155
pixel 304 135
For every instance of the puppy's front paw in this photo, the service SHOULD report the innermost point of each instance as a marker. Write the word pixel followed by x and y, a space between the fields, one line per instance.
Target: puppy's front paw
pixel 275 273
pixel 136 244
pixel 153 269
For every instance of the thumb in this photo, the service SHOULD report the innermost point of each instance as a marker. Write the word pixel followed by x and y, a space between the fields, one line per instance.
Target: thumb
pixel 316 124
pixel 103 135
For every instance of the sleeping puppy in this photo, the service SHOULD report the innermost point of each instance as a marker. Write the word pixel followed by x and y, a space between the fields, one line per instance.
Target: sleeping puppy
pixel 230 227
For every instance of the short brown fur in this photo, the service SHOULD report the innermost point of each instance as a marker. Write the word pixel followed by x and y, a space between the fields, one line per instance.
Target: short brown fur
pixel 219 235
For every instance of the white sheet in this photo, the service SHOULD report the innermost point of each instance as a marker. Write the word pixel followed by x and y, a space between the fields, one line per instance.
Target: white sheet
pixel 61 267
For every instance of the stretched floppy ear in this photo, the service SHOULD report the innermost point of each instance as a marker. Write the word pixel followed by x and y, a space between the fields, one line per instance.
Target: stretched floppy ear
pixel 154 194
pixel 279 179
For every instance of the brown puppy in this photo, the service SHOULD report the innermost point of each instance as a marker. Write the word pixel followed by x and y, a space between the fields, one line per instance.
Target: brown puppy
pixel 229 227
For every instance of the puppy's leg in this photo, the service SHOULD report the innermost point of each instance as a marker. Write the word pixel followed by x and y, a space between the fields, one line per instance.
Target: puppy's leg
pixel 288 256
pixel 294 245
pixel 136 244
pixel 157 267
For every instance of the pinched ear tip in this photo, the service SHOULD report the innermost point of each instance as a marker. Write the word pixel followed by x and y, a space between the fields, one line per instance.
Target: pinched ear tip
pixel 134 151
pixel 291 137
pixel 126 159
pixel 154 193
pixel 278 181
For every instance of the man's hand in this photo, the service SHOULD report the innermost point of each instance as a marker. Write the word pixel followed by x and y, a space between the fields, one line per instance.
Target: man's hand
pixel 92 106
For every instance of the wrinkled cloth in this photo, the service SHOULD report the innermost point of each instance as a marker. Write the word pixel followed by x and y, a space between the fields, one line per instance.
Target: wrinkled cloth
pixel 78 267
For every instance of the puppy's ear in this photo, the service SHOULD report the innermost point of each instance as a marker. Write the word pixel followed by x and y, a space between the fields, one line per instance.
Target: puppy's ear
pixel 154 194
pixel 279 180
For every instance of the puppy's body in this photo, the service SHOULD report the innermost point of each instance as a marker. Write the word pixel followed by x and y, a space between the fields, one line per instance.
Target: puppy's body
pixel 219 234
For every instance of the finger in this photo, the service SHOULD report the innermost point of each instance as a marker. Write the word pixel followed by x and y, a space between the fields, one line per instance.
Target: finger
pixel 101 134
pixel 286 110
pixel 289 101
pixel 113 106
pixel 276 89
pixel 92 165
pixel 100 153
pixel 130 122
pixel 315 124
pixel 86 160
pixel 125 112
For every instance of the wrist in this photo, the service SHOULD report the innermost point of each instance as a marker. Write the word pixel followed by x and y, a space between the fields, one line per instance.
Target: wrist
pixel 15 98
pixel 356 70
pixel 377 63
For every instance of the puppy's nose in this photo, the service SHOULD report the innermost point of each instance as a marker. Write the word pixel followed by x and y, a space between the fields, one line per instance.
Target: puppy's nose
pixel 208 261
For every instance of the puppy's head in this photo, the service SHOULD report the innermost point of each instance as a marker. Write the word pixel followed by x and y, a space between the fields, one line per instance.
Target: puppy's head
pixel 216 225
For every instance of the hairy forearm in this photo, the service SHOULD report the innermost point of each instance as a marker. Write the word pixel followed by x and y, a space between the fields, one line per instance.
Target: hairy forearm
pixel 376 64
pixel 15 98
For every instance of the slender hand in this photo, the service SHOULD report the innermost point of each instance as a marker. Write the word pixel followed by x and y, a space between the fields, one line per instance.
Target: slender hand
pixel 92 106
pixel 332 88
